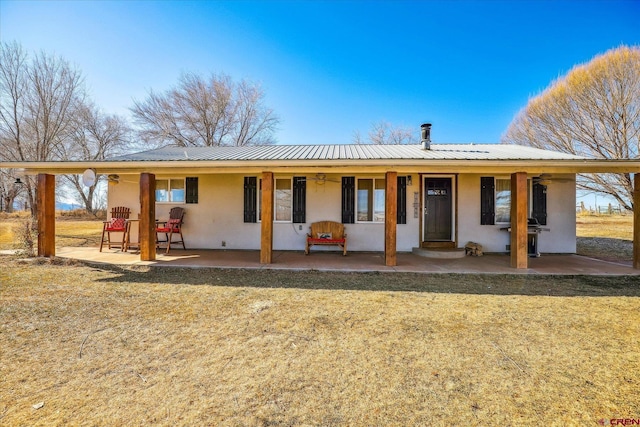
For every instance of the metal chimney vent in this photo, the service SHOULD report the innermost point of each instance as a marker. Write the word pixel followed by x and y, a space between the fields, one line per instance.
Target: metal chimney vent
pixel 426 136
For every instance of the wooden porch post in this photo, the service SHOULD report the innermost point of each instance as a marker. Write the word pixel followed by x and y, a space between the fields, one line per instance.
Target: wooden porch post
pixel 147 217
pixel 390 218
pixel 636 220
pixel 519 220
pixel 266 230
pixel 46 200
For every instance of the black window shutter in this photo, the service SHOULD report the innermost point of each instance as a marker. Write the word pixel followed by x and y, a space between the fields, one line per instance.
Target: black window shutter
pixel 348 199
pixel 487 200
pixel 540 203
pixel 299 199
pixel 402 200
pixel 250 199
pixel 192 189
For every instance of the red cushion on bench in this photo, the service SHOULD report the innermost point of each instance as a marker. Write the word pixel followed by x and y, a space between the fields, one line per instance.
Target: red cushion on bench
pixel 327 241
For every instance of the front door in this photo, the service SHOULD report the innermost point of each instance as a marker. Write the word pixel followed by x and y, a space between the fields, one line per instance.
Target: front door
pixel 437 209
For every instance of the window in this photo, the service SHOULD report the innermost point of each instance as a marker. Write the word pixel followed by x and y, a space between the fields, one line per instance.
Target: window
pixel 370 200
pixel 170 190
pixel 283 199
pixel 289 199
pixel 503 200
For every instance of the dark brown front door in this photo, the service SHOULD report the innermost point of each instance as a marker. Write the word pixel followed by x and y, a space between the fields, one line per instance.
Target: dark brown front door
pixel 437 209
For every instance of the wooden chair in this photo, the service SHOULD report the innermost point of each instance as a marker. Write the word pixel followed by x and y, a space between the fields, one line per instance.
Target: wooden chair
pixel 171 227
pixel 118 224
pixel 327 233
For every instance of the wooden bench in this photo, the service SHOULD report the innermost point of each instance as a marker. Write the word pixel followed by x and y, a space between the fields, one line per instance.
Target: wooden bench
pixel 327 233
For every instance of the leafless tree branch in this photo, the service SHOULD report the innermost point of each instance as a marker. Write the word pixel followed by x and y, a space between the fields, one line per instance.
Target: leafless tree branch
pixel 593 111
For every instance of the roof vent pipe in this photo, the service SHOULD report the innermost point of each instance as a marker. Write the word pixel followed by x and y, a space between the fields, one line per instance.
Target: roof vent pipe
pixel 426 136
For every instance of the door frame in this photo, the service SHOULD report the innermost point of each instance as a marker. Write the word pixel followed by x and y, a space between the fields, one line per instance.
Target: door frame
pixel 452 243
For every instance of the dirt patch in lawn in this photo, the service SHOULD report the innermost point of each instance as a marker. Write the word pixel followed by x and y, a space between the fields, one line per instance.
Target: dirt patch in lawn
pixel 132 346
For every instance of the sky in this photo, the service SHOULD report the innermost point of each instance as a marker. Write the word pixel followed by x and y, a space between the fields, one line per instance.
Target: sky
pixel 331 68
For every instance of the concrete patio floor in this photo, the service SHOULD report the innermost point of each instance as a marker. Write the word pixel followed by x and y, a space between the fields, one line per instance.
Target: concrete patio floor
pixel 353 262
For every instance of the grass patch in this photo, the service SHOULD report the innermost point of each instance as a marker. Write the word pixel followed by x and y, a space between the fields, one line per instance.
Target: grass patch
pixel 605 226
pixel 608 237
pixel 69 232
pixel 231 347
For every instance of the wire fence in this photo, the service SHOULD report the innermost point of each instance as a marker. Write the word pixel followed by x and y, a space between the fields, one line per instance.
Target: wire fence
pixel 609 209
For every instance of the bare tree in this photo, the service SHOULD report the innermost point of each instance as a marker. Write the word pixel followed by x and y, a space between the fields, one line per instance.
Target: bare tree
pixel 384 133
pixel 206 112
pixel 593 111
pixel 9 190
pixel 38 99
pixel 94 136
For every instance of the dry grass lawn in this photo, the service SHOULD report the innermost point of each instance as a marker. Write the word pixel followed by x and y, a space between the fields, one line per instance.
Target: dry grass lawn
pixel 136 346
pixel 607 237
pixel 68 232
pixel 133 346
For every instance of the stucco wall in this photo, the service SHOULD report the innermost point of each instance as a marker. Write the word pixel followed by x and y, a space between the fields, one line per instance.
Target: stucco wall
pixel 218 216
pixel 561 202
pixel 324 203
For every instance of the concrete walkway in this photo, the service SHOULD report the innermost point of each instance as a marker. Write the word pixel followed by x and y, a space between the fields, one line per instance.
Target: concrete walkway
pixel 353 262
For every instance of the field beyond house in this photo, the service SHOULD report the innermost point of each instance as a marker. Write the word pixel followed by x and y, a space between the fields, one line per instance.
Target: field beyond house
pixel 111 345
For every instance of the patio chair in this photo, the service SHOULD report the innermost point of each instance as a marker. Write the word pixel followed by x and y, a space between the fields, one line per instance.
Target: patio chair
pixel 117 224
pixel 171 227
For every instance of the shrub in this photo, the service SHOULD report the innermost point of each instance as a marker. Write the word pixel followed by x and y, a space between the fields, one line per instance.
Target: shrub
pixel 27 237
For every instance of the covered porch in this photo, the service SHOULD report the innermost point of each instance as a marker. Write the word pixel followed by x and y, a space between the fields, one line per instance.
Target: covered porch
pixel 518 258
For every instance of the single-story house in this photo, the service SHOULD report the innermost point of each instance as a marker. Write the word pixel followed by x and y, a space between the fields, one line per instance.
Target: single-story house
pixel 389 197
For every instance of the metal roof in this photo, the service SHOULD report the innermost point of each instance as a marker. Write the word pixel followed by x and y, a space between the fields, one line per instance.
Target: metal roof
pixel 347 152
pixel 441 158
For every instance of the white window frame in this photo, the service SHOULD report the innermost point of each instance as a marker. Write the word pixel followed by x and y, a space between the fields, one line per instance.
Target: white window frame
pixel 384 192
pixel 169 198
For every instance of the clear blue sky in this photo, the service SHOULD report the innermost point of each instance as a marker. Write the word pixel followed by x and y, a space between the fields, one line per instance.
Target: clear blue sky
pixel 331 68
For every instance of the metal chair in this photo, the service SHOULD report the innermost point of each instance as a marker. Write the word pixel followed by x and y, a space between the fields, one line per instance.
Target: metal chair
pixel 171 227
pixel 118 224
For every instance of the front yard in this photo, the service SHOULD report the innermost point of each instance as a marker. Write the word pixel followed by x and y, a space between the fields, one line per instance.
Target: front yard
pixel 134 346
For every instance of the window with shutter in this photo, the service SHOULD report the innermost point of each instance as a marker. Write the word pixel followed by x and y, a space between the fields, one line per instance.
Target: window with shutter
pixel 348 199
pixel 250 199
pixel 487 200
pixel 299 199
pixel 402 200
